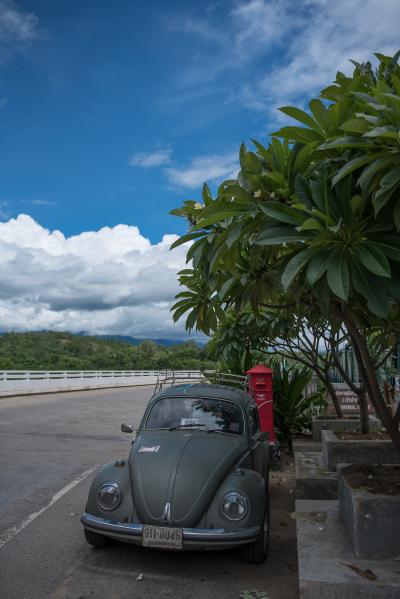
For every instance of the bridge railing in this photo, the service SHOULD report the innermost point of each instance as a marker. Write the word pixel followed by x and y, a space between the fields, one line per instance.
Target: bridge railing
pixel 14 382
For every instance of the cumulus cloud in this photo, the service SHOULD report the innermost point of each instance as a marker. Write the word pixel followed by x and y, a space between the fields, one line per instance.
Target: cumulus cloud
pixel 108 281
pixel 18 28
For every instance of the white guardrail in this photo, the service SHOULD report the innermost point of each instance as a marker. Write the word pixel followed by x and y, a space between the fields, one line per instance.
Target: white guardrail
pixel 16 382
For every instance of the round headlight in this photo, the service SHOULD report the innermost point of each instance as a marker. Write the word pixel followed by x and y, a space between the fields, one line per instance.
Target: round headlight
pixel 234 506
pixel 109 496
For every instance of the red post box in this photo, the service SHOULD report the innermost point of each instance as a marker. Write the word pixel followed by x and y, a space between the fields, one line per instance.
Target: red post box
pixel 260 384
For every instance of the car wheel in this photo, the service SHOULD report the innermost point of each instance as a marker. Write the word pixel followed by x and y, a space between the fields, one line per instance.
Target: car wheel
pixel 256 553
pixel 93 538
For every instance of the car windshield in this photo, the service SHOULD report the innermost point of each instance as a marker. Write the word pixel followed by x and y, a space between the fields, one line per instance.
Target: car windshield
pixel 211 415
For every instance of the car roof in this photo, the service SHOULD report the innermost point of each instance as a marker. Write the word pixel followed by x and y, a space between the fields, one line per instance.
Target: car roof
pixel 234 394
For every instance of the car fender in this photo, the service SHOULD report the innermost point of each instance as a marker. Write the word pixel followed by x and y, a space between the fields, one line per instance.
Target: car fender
pixel 117 471
pixel 252 486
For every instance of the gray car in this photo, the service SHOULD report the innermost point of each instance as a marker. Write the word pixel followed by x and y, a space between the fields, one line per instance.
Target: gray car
pixel 196 477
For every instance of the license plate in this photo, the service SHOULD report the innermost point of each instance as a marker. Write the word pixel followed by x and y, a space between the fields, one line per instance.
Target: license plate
pixel 162 537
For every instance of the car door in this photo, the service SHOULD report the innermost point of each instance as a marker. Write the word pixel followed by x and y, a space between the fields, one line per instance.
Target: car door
pixel 259 448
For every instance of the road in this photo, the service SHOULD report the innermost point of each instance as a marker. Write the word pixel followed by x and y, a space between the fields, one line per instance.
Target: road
pixel 49 447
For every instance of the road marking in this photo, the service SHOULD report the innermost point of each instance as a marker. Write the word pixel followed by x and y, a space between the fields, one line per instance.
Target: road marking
pixel 12 532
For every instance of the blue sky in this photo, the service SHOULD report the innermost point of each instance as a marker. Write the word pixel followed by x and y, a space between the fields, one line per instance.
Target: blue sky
pixel 111 114
pixel 96 86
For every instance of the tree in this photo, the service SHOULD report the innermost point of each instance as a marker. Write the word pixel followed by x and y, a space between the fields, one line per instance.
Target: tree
pixel 311 223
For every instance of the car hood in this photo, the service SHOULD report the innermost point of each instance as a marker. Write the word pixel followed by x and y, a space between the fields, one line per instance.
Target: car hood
pixel 180 468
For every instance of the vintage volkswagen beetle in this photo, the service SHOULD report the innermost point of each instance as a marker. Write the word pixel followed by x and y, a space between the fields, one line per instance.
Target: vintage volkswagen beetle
pixel 196 477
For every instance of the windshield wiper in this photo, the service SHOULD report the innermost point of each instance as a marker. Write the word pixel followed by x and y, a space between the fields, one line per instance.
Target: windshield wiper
pixel 173 428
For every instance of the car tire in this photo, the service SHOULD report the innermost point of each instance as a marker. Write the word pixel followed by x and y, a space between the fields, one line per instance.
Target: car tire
pixel 97 540
pixel 256 552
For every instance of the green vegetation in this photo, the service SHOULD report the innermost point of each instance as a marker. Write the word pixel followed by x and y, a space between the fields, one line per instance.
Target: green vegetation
pixel 64 351
pixel 310 228
pixel 293 409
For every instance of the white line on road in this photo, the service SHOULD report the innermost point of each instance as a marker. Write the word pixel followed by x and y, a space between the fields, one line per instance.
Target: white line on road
pixel 12 532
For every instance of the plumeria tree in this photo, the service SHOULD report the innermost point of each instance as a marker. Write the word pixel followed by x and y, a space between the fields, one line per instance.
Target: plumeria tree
pixel 311 224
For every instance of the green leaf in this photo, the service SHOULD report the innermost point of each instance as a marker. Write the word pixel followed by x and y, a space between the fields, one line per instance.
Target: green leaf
pixel 354 126
pixel 233 236
pixel 320 114
pixel 278 235
pixel 299 134
pixel 386 131
pixel 252 164
pixel 380 164
pixel 389 183
pixel 281 212
pixel 346 142
pixel 294 266
pixel 374 261
pixel 375 294
pixel 390 246
pixel 396 84
pixel 319 263
pixel 303 191
pixel 181 310
pixel 242 154
pixel 354 164
pixel 218 217
pixel 303 157
pixel 357 204
pixel 312 224
pixel 338 277
pixel 186 238
pixel 191 320
pixel 276 177
pixel 206 195
pixel 301 116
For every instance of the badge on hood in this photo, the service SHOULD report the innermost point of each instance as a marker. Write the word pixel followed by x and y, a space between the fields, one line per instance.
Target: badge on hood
pixel 152 449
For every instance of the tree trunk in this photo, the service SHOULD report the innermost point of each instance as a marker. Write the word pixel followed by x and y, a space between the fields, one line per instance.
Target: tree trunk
pixel 362 397
pixel 368 375
pixel 334 397
pixel 363 404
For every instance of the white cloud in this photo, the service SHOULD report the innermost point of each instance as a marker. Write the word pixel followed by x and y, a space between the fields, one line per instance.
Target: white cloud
pixel 274 52
pixel 108 281
pixel 204 168
pixel 151 159
pixel 18 28
pixel 332 32
pixel 193 174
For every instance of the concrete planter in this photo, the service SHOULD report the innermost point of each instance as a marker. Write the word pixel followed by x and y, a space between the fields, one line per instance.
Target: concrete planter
pixel 372 521
pixel 340 425
pixel 356 451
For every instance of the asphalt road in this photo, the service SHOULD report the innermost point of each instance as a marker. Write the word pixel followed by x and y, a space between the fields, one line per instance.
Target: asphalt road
pixel 48 445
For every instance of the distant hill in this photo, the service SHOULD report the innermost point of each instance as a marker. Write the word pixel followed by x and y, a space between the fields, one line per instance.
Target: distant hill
pixel 136 341
pixel 65 351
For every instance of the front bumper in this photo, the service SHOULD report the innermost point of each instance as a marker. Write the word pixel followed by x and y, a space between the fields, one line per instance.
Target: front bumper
pixel 192 537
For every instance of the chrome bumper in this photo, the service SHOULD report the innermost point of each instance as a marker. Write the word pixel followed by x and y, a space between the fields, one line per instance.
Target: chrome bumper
pixel 191 536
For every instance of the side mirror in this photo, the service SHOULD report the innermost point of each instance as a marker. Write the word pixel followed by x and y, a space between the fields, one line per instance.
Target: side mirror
pixel 127 428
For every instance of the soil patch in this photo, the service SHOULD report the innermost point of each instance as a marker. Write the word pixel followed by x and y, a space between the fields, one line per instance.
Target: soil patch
pixel 384 480
pixel 355 436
